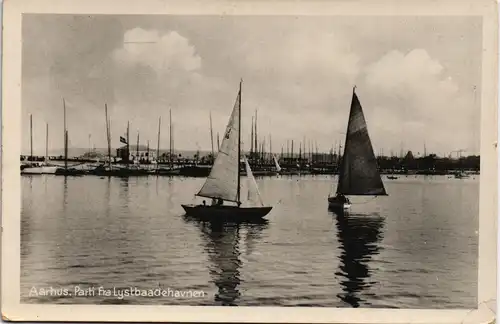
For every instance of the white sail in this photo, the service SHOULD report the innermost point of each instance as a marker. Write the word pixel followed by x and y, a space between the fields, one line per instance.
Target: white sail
pixel 278 168
pixel 252 181
pixel 223 181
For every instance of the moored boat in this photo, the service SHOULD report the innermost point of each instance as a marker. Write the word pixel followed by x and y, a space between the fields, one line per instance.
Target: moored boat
pixel 39 168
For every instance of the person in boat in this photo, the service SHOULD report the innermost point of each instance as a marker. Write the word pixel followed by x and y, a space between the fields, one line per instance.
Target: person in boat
pixel 204 203
pixel 214 202
pixel 343 198
pixel 220 202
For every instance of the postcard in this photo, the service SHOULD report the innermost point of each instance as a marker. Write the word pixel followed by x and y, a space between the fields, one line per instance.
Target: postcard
pixel 250 161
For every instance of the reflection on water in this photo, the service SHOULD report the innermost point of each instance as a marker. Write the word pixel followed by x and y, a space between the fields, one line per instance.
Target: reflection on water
pixel 119 232
pixel 65 193
pixel 223 246
pixel 359 237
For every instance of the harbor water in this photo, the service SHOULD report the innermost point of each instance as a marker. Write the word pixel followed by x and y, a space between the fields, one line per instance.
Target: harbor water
pixel 415 248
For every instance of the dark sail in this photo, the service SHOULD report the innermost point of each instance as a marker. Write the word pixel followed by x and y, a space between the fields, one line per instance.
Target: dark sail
pixel 358 174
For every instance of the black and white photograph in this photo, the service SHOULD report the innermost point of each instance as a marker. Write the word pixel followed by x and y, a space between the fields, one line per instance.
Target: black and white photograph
pixel 228 158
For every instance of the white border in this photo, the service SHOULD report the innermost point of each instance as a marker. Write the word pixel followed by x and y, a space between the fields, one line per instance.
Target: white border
pixel 11 126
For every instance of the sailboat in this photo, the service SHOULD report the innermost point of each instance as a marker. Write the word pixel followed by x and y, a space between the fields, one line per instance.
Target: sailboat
pixel 39 167
pixel 224 181
pixel 358 172
pixel 276 163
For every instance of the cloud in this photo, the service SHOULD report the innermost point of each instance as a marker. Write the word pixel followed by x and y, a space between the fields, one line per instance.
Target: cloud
pixel 163 53
pixel 414 77
pixel 298 76
pixel 153 72
pixel 153 68
pixel 412 95
pixel 299 53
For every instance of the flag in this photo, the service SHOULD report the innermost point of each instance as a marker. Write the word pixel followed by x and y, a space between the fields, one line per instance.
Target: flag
pixel 123 140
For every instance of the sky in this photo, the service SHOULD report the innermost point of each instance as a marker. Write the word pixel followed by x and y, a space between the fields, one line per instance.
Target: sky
pixel 417 78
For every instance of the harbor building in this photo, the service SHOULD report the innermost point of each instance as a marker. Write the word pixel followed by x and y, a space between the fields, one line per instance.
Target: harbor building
pixel 139 153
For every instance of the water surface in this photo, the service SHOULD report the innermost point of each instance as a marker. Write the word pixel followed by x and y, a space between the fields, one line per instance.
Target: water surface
pixel 416 248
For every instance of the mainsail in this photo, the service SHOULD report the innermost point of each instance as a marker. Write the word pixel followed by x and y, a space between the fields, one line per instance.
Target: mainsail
pixel 278 168
pixel 223 180
pixel 358 174
pixel 252 182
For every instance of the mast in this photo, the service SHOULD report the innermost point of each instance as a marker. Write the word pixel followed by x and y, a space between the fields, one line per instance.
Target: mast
pixel 300 152
pixel 339 155
pixel 270 149
pixel 170 139
pixel 218 142
pixel 212 137
pixel 239 148
pixel 66 149
pixel 292 151
pixel 137 148
pixel 173 145
pixel 263 154
pixel 306 157
pixel 148 150
pixel 255 134
pixel 251 141
pixel 66 138
pixel 317 150
pixel 107 135
pixel 311 151
pixel 128 143
pixel 46 142
pixel 31 138
pixel 90 141
pixel 158 146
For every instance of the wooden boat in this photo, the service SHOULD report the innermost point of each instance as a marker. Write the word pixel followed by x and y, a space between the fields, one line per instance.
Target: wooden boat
pixel 392 177
pixel 224 181
pixel 39 168
pixel 199 171
pixel 44 167
pixel 119 171
pixel 358 172
pixel 166 171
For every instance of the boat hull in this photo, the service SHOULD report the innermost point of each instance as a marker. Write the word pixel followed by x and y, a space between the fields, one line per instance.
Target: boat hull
pixel 39 170
pixel 70 172
pixel 194 171
pixel 166 172
pixel 336 204
pixel 227 213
